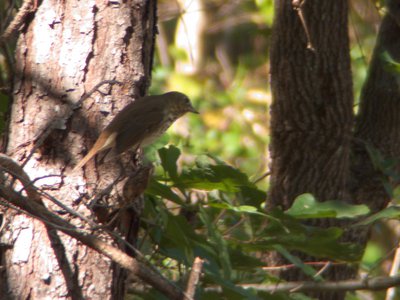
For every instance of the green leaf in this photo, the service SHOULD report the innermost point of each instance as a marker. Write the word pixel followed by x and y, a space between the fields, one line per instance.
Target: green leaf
pixel 208 176
pixel 169 157
pixel 391 65
pixel 240 260
pixel 306 206
pixel 156 188
pixel 387 213
pixel 252 195
pixel 308 270
pixel 230 290
pixel 177 239
pixel 219 242
pixel 291 234
pixel 239 209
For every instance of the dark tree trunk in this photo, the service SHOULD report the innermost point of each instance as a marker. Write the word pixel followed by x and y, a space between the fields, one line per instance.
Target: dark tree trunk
pixel 378 120
pixel 312 117
pixel 312 111
pixel 64 50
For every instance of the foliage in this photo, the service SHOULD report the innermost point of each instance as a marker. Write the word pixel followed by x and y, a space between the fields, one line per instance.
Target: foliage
pixel 214 211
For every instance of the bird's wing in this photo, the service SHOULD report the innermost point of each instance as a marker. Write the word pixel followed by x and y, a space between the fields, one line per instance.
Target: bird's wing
pixel 137 129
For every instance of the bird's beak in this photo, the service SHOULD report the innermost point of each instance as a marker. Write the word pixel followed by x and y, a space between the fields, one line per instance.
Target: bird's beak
pixel 193 110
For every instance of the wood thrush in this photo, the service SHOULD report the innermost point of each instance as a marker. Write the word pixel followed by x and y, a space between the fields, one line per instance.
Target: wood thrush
pixel 140 123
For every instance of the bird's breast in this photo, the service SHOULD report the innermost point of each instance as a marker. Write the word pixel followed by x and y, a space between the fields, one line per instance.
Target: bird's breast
pixel 158 130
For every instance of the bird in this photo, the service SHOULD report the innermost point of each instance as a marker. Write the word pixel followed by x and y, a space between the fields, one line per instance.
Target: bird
pixel 140 123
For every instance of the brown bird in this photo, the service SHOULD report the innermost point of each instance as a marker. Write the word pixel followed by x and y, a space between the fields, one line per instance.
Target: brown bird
pixel 140 123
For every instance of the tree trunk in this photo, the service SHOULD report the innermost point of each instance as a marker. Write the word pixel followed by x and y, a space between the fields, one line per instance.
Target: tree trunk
pixel 64 50
pixel 378 120
pixel 312 116
pixel 312 110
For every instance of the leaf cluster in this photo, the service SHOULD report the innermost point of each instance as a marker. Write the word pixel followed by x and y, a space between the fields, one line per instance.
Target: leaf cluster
pixel 212 210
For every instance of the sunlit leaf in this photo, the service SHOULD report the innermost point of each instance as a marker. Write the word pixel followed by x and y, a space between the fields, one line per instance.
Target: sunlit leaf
pixel 293 235
pixel 306 206
pixel 387 213
pixel 169 157
pixel 208 176
pixel 239 209
pixel 156 188
pixel 391 65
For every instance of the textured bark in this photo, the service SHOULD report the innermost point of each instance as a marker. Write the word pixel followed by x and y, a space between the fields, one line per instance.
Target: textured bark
pixel 312 113
pixel 63 52
pixel 312 117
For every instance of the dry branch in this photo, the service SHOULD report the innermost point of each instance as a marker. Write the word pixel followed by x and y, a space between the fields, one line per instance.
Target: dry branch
pixel 375 283
pixel 27 7
pixel 194 277
pixel 36 209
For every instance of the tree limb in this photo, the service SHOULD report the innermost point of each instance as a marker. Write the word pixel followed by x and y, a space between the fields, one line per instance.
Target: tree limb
pixel 27 7
pixel 37 209
pixel 194 277
pixel 375 283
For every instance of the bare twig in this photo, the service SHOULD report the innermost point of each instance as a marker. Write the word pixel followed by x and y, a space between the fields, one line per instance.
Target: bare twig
pixel 42 136
pixel 298 6
pixel 12 167
pixel 137 268
pixel 194 277
pixel 26 8
pixel 391 293
pixel 311 263
pixel 266 174
pixel 375 283
pixel 323 269
pixel 318 274
pixel 34 207
pixel 94 89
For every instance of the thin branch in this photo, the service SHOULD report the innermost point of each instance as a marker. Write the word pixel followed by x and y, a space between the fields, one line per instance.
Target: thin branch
pixel 311 263
pixel 298 6
pixel 94 89
pixel 266 174
pixel 26 8
pixel 391 293
pixel 375 283
pixel 194 277
pixel 42 136
pixel 35 207
pixel 13 168
pixel 137 268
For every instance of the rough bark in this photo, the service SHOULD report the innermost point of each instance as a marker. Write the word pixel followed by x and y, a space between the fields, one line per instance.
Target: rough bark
pixel 63 51
pixel 312 116
pixel 312 113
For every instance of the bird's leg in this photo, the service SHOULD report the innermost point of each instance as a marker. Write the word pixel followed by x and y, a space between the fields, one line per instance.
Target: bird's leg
pixel 137 155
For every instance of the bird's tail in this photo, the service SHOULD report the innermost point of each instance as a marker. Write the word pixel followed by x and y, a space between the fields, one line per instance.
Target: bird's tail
pixel 84 160
pixel 104 142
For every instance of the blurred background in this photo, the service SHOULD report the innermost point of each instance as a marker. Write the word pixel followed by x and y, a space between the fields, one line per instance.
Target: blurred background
pixel 217 52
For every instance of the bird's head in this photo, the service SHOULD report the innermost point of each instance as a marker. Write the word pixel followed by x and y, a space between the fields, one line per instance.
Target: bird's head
pixel 179 103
